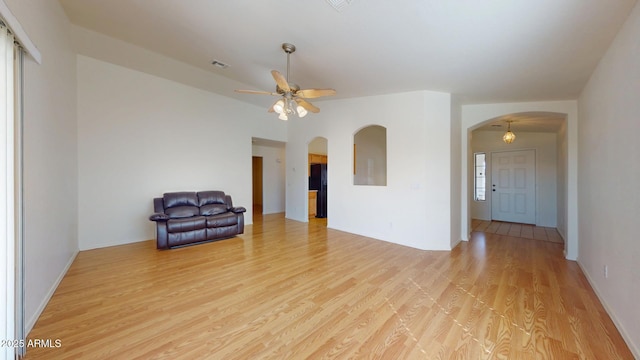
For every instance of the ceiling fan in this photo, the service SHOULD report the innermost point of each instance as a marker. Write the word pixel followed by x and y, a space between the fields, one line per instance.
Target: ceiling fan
pixel 292 99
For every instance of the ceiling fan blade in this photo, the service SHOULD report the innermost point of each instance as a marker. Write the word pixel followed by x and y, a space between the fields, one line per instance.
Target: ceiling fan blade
pixel 280 80
pixel 256 92
pixel 314 93
pixel 307 105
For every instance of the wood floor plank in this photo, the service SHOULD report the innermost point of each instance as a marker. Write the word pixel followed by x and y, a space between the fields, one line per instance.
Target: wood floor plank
pixel 291 290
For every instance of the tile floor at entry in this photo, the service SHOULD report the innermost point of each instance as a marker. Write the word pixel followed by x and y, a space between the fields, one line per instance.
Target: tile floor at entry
pixel 526 231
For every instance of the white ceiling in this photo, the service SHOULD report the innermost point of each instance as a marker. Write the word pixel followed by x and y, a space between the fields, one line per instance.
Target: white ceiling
pixel 483 51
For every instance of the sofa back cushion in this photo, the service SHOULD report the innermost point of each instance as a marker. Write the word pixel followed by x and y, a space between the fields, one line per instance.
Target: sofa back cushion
pixel 174 199
pixel 211 197
pixel 179 212
pixel 213 209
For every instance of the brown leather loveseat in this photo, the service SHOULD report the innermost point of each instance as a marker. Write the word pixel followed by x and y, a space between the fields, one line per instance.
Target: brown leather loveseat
pixel 184 218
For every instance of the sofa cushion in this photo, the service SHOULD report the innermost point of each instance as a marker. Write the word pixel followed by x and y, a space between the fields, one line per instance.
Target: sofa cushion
pixel 226 219
pixel 186 238
pixel 186 198
pixel 213 209
pixel 179 212
pixel 221 232
pixel 210 197
pixel 186 224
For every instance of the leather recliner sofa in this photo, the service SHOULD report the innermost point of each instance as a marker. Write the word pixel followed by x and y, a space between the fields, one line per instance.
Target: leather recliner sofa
pixel 184 218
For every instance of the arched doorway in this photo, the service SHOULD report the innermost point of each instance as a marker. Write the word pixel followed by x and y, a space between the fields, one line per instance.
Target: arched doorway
pixel 476 117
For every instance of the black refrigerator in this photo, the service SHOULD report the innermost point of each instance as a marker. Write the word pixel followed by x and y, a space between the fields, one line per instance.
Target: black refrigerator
pixel 318 181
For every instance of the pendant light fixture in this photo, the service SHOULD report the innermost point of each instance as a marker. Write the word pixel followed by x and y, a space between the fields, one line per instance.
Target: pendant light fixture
pixel 509 136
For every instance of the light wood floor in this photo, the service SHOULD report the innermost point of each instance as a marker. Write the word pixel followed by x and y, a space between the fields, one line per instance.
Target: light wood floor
pixel 291 290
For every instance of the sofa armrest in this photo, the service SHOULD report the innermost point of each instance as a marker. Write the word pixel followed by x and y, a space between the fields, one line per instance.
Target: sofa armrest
pixel 158 205
pixel 238 209
pixel 159 217
pixel 228 201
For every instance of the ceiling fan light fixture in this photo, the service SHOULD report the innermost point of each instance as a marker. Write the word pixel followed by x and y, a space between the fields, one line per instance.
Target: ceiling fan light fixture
pixel 292 100
pixel 289 108
pixel 302 112
pixel 278 107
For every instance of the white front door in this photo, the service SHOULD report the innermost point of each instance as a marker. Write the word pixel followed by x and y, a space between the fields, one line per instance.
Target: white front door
pixel 513 186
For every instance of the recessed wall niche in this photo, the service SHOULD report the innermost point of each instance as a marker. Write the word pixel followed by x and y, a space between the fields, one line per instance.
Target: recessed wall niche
pixel 370 156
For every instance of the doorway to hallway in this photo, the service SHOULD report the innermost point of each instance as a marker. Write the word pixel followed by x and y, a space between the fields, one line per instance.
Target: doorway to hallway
pixel 256 169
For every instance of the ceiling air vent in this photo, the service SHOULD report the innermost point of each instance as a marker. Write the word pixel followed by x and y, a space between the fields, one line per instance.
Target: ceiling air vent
pixel 219 64
pixel 339 4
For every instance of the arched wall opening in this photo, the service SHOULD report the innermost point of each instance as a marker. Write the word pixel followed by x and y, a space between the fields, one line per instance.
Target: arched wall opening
pixel 476 116
pixel 370 156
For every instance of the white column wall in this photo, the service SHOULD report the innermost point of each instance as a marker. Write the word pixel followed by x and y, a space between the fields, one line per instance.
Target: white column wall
pixel 414 208
pixel 456 170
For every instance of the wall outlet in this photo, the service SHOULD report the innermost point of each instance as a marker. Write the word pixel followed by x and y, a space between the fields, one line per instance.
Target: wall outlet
pixel 606 271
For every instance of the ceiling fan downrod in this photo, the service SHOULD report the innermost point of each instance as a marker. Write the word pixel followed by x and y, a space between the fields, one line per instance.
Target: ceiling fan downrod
pixel 289 49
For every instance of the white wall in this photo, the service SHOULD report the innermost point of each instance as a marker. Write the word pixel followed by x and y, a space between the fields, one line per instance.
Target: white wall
pixel 414 208
pixel 546 171
pixel 98 46
pixel 456 171
pixel 273 177
pixel 609 172
pixel 562 183
pixel 475 115
pixel 318 146
pixel 141 135
pixel 50 154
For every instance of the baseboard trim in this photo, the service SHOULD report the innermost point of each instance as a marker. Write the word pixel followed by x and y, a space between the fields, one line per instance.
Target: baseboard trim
pixel 633 347
pixel 31 323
